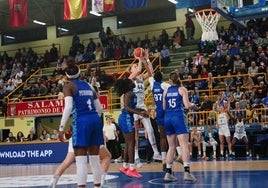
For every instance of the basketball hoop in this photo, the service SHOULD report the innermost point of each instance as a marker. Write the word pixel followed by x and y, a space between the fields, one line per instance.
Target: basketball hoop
pixel 208 19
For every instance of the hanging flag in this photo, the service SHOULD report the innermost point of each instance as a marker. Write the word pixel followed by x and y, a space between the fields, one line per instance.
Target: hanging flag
pixel 18 13
pixel 75 9
pixel 103 5
pixel 132 4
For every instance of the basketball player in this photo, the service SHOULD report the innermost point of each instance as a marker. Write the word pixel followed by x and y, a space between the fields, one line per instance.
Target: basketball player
pixel 139 90
pixel 87 135
pixel 176 127
pixel 240 130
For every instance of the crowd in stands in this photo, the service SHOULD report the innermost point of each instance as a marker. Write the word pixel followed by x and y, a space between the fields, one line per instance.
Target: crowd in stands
pixel 32 136
pixel 238 60
pixel 236 53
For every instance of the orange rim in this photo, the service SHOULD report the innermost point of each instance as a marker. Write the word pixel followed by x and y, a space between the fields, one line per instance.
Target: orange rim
pixel 206 10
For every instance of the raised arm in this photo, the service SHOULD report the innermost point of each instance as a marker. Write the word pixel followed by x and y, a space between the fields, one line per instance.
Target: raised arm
pixel 148 65
pixel 135 72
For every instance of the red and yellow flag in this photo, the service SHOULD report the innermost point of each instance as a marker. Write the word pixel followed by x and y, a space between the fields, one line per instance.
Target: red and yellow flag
pixel 18 13
pixel 75 9
pixel 103 5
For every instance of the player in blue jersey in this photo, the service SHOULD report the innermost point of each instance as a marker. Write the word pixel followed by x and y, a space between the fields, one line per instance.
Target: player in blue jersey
pixel 126 122
pixel 158 87
pixel 174 101
pixel 87 136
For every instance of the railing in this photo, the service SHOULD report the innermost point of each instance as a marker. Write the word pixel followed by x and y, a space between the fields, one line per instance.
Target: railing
pixel 203 118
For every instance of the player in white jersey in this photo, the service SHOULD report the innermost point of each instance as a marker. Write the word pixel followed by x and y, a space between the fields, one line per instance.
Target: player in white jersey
pixel 224 131
pixel 240 130
pixel 138 78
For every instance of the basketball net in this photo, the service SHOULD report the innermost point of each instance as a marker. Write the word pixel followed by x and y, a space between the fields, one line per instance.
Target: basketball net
pixel 208 19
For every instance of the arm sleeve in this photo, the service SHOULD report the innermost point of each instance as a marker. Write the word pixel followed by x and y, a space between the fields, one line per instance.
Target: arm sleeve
pixel 98 106
pixel 68 100
pixel 151 81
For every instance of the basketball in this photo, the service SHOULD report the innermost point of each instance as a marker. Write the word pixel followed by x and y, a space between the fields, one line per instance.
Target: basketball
pixel 138 52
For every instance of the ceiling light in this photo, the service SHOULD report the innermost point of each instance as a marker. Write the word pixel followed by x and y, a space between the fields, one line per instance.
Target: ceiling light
pixel 38 22
pixel 9 37
pixel 191 10
pixel 63 29
pixel 120 22
pixel 173 1
pixel 95 13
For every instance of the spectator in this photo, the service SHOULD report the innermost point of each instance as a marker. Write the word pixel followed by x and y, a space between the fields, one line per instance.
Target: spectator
pixel 44 135
pixel 244 101
pixel 164 38
pixel 104 80
pixel 206 104
pixel 195 141
pixel 20 137
pixel 194 97
pixel 78 57
pixel 260 92
pixel 190 28
pixel 110 135
pixel 165 56
pixel 54 135
pixel 43 90
pixel 98 53
pixel 247 82
pixel 110 35
pixel 10 138
pixel 54 52
pixel 210 139
pixel 103 37
pixel 188 60
pixel 238 93
pixel 229 81
pixel 10 86
pixel 117 52
pixel 31 136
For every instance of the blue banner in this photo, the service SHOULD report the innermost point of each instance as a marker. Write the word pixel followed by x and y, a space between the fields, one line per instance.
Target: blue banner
pixel 132 4
pixel 32 153
pixel 184 4
pixel 192 3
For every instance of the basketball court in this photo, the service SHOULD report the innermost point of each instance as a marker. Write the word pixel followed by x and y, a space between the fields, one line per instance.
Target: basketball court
pixel 232 174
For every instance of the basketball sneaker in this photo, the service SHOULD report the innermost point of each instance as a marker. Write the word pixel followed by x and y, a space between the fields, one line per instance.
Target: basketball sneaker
pixel 138 163
pixel 189 177
pixel 133 173
pixel 169 177
pixel 157 157
pixel 123 170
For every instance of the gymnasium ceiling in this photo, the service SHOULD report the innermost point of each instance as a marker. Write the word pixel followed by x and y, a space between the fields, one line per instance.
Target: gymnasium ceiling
pixel 51 12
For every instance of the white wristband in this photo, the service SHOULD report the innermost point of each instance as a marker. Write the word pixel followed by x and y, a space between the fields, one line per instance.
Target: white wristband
pixel 148 60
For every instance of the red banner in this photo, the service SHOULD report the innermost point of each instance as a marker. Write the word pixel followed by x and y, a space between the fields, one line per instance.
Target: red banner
pixel 75 9
pixel 104 101
pixel 43 107
pixel 18 13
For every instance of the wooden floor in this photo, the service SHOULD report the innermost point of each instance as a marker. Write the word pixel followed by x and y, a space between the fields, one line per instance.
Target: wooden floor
pixel 43 172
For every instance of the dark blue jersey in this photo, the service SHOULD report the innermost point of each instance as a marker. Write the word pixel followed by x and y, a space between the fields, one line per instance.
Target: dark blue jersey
pixel 83 99
pixel 158 95
pixel 173 99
